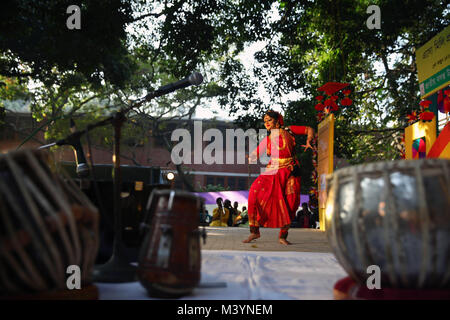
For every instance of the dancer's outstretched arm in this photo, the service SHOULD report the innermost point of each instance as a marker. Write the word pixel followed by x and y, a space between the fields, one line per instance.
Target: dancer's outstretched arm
pixel 304 130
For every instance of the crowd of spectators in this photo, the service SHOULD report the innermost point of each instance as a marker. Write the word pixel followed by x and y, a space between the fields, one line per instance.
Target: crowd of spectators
pixel 227 215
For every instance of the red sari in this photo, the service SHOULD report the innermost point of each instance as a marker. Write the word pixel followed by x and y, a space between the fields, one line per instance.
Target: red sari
pixel 275 195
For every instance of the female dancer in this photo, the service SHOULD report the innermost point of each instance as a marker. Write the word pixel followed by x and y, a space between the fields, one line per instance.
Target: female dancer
pixel 275 195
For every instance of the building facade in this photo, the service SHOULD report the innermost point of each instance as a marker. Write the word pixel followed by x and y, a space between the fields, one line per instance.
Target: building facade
pixel 211 160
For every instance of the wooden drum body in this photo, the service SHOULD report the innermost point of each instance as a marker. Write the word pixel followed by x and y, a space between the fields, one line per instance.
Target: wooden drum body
pixel 46 225
pixel 170 260
pixel 395 215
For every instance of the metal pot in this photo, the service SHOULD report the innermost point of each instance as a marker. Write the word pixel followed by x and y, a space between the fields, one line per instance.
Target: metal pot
pixel 395 215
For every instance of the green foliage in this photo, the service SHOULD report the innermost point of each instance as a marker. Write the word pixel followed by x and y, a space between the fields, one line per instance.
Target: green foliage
pixel 11 90
pixel 64 71
pixel 36 41
pixel 125 49
pixel 315 42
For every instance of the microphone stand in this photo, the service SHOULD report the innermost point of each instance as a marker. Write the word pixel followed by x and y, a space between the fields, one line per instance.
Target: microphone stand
pixel 118 268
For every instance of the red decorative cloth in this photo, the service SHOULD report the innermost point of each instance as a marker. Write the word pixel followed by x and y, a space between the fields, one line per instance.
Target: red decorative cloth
pixel 274 196
pixel 348 289
pixel 426 116
pixel 441 142
pixel 331 87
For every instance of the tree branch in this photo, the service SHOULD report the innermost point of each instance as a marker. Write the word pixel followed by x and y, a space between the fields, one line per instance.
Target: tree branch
pixel 151 14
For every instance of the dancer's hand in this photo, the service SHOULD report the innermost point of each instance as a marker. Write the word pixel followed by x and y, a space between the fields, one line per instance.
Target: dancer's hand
pixel 307 145
pixel 310 132
pixel 252 158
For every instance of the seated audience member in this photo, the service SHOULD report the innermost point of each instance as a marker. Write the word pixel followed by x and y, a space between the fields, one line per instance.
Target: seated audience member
pixel 314 217
pixel 205 218
pixel 233 215
pixel 235 207
pixel 220 215
pixel 295 223
pixel 244 215
pixel 304 216
pixel 238 213
pixel 208 217
pixel 242 218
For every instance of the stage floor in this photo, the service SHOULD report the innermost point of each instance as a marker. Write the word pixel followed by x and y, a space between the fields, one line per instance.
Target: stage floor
pixel 303 240
pixel 246 275
pixel 263 269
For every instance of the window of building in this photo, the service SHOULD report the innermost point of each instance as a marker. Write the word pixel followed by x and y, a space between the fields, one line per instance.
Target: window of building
pixel 209 180
pixel 231 183
pixel 242 184
pixel 220 180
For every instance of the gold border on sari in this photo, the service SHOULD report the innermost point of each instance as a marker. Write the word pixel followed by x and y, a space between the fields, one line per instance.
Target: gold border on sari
pixel 290 186
pixel 278 163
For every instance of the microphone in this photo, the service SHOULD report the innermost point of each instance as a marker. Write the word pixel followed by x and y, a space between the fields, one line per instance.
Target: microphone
pixel 74 141
pixel 194 79
pixel 82 167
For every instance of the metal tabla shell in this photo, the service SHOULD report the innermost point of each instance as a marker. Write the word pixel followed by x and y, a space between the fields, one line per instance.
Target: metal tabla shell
pixel 395 215
pixel 170 259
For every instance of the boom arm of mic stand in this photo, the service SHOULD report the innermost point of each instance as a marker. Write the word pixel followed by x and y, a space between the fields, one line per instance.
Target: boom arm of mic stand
pixel 194 79
pixel 77 134
pixel 117 269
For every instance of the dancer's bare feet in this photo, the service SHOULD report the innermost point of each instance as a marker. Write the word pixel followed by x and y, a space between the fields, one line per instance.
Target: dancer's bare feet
pixel 251 237
pixel 284 241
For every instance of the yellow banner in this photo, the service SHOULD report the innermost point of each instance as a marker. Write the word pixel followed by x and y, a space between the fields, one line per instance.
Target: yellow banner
pixel 325 162
pixel 416 131
pixel 434 56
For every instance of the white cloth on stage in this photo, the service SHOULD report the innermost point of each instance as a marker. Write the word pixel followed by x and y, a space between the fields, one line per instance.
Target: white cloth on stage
pixel 252 275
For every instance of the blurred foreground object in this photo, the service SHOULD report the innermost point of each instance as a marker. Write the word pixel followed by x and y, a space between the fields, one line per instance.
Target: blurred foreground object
pixel 394 215
pixel 137 184
pixel 170 258
pixel 46 226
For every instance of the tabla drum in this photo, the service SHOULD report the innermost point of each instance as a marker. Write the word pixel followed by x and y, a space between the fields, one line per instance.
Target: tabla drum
pixel 169 259
pixel 393 215
pixel 48 231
